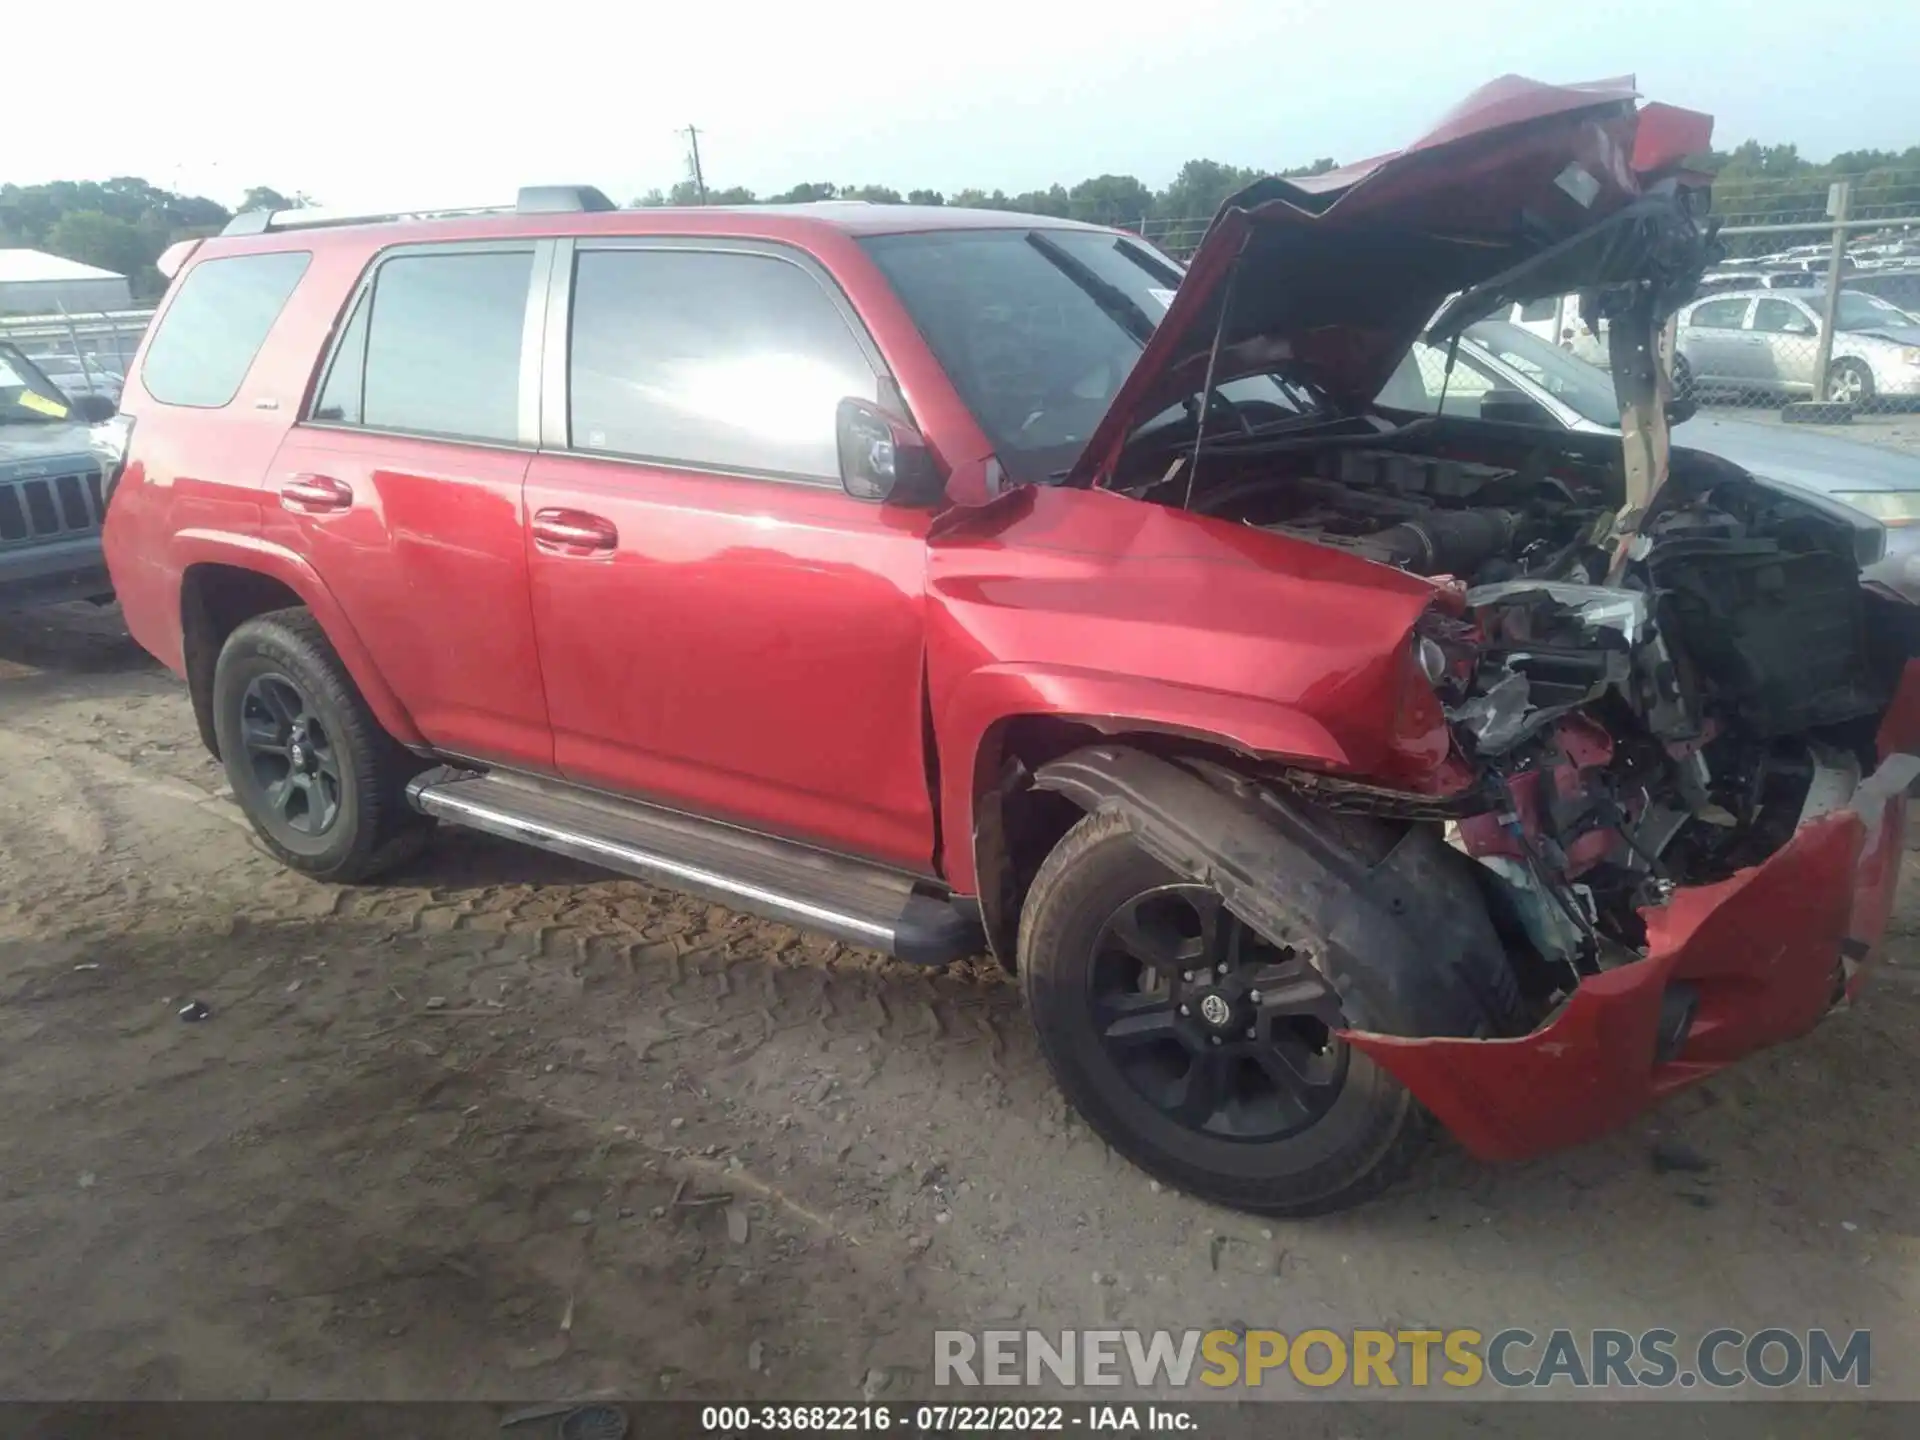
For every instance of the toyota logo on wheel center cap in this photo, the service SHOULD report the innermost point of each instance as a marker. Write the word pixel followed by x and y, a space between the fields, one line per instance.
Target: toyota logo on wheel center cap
pixel 1215 1010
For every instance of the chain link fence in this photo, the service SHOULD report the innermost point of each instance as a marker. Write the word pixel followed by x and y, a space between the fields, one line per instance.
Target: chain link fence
pixel 84 354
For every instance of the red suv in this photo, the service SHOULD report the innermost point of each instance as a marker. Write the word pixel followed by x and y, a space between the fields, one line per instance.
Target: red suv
pixel 942 579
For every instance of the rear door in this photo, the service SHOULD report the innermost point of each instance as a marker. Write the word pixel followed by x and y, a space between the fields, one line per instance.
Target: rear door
pixel 1714 343
pixel 402 484
pixel 722 628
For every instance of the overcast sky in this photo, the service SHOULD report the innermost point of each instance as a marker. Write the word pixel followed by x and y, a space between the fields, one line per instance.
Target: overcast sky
pixel 390 102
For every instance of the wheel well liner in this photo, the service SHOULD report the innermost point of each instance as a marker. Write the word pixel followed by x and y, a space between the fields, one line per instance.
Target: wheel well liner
pixel 1016 824
pixel 1393 909
pixel 215 600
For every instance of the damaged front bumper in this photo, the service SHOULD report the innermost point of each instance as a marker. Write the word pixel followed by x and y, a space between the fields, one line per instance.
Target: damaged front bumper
pixel 1760 958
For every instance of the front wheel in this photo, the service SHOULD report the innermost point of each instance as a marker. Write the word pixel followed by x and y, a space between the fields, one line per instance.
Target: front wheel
pixel 1199 1050
pixel 322 783
pixel 1849 383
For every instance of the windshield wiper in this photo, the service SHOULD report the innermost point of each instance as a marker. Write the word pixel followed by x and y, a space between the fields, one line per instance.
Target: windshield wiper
pixel 1114 303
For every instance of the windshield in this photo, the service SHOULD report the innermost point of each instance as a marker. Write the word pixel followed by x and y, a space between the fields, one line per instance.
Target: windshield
pixel 1421 382
pixel 1036 328
pixel 1585 389
pixel 27 397
pixel 1861 311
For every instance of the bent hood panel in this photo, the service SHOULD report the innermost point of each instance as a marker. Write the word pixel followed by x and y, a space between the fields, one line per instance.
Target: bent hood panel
pixel 1331 277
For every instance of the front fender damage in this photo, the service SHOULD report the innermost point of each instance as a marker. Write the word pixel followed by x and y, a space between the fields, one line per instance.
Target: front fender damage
pixel 1391 918
pixel 1730 968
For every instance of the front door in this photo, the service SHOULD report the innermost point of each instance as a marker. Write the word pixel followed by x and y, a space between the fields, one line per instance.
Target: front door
pixel 721 627
pixel 403 486
pixel 1715 345
pixel 1789 342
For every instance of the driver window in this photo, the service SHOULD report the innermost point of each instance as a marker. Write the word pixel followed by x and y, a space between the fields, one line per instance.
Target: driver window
pixel 1778 317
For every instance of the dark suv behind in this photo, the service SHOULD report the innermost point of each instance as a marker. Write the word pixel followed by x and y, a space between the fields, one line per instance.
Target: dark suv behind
pixel 51 499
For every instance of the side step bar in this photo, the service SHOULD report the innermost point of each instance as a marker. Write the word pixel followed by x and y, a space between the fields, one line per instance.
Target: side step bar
pixel 850 900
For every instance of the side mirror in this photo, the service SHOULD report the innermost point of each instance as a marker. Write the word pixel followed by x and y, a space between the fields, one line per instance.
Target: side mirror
pixel 1682 408
pixel 883 458
pixel 94 408
pixel 1513 407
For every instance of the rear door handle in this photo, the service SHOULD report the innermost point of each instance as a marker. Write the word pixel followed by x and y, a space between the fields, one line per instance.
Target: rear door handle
pixel 315 495
pixel 574 532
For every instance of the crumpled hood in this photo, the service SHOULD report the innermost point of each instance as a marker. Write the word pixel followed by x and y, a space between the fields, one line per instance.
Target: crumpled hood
pixel 1329 278
pixel 1813 461
pixel 1898 334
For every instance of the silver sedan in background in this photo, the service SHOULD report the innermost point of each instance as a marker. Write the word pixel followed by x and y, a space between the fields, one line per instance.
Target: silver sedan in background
pixel 1767 341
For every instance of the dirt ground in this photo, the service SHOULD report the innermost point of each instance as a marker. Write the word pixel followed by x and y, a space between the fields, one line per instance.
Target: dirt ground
pixel 513 1127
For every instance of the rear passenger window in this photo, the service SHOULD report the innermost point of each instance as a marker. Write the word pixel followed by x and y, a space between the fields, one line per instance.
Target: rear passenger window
pixel 434 348
pixel 721 361
pixel 215 326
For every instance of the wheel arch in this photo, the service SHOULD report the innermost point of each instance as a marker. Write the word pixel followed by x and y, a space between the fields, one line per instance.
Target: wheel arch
pixel 1399 911
pixel 999 827
pixel 228 580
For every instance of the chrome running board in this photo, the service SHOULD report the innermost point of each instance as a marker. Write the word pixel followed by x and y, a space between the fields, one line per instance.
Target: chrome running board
pixel 851 900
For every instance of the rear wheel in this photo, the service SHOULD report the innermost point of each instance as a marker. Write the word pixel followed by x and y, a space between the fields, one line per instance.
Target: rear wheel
pixel 322 783
pixel 1201 1051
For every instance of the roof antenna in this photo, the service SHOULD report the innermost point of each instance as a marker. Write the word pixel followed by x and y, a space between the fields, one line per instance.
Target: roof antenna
pixel 1206 393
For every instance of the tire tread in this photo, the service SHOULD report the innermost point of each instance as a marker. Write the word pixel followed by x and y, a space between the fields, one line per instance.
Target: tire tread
pixel 389 833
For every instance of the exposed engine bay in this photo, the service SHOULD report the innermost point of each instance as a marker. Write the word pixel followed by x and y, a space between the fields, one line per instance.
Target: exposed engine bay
pixel 1624 738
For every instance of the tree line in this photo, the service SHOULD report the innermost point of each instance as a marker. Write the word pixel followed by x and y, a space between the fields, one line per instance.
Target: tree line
pixel 120 225
pixel 1122 200
pixel 123 224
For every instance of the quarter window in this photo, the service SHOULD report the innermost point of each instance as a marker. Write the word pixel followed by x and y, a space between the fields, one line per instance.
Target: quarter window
pixel 723 361
pixel 216 325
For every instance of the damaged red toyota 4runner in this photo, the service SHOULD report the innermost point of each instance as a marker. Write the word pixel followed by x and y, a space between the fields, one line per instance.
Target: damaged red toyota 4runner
pixel 941 579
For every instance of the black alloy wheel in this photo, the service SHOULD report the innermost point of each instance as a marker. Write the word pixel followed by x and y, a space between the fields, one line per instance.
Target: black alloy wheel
pixel 323 785
pixel 290 756
pixel 1223 1032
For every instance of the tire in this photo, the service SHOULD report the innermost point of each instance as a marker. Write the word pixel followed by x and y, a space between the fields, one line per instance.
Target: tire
pixel 1682 378
pixel 323 785
pixel 1344 1147
pixel 1849 382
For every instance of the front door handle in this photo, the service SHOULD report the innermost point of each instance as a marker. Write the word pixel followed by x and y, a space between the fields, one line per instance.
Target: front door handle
pixel 315 495
pixel 574 532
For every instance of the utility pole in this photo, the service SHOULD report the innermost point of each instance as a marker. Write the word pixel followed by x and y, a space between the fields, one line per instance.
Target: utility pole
pixel 1838 194
pixel 692 133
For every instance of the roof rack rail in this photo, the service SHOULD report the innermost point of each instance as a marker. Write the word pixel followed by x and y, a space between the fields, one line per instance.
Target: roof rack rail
pixel 533 200
pixel 561 199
